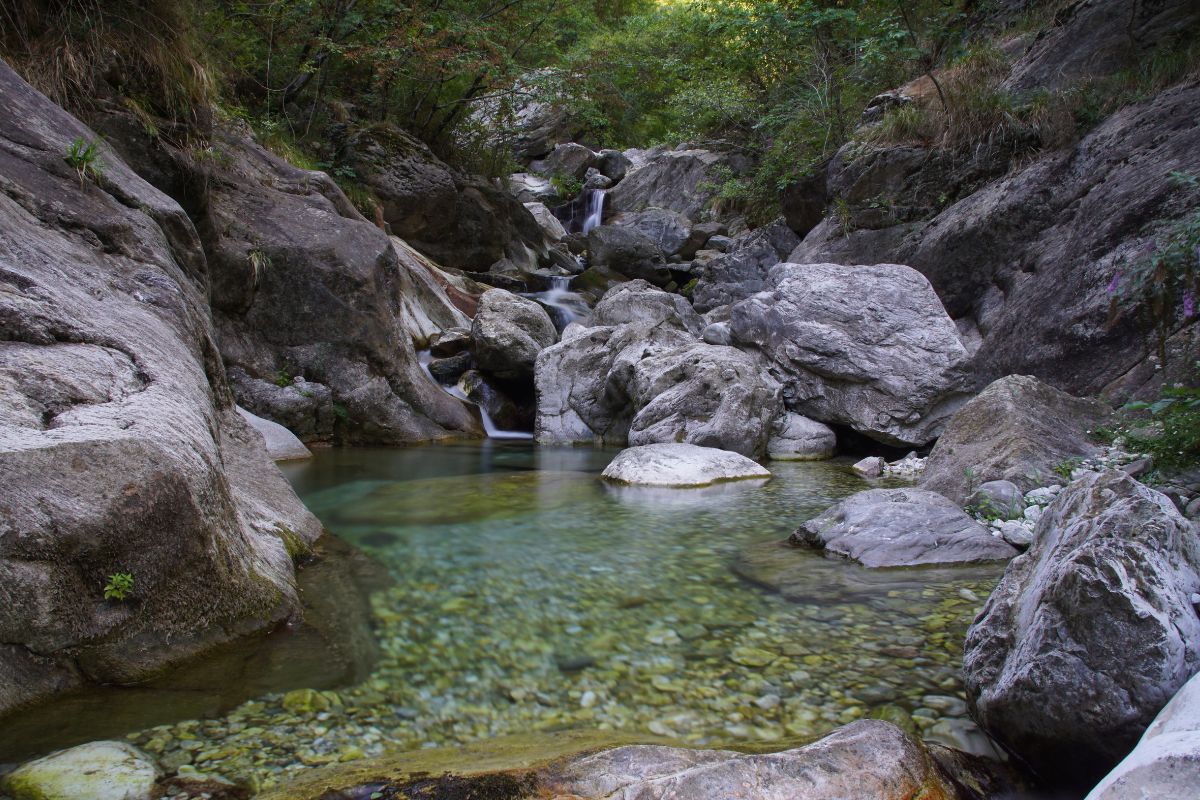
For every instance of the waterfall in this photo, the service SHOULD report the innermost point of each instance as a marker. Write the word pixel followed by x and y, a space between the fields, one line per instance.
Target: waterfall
pixel 595 211
pixel 563 305
pixel 489 425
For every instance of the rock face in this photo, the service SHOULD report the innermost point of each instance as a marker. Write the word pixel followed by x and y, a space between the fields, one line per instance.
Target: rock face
pixel 742 271
pixel 629 252
pixel 869 347
pixel 680 465
pixel 97 771
pixel 303 285
pixel 680 180
pixel 545 217
pixel 865 759
pixel 1166 762
pixel 669 230
pixel 1090 632
pixel 281 444
pixel 901 528
pixel 120 448
pixel 639 374
pixel 1016 429
pixel 508 333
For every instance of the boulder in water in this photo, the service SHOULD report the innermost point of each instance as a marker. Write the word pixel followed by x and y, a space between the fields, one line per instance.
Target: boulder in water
pixel 569 160
pixel 680 465
pixel 96 771
pixel 508 333
pixel 867 346
pixel 281 444
pixel 1090 632
pixel 901 528
pixel 795 437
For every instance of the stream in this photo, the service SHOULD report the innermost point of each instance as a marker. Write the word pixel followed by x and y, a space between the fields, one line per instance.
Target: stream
pixel 528 595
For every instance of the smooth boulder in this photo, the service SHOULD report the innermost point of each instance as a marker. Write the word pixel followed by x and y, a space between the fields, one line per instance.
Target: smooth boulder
pixel 795 437
pixel 95 771
pixel 281 444
pixel 1017 429
pixel 508 333
pixel 901 528
pixel 669 230
pixel 680 465
pixel 1166 762
pixel 629 252
pixel 1090 632
pixel 865 346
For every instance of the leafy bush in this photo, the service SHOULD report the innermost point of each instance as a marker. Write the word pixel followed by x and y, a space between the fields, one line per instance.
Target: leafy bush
pixel 565 186
pixel 1174 442
pixel 119 586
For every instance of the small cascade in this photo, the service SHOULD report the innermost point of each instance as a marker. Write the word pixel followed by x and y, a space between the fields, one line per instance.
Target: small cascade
pixel 489 425
pixel 595 211
pixel 583 213
pixel 563 305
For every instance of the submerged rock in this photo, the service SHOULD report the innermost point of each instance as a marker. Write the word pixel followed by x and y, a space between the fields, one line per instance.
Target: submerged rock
pixel 866 346
pixel 1090 632
pixel 901 528
pixel 1018 429
pixel 680 465
pixel 96 771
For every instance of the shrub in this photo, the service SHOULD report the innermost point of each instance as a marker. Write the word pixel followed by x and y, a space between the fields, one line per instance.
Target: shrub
pixel 84 158
pixel 119 586
pixel 1174 442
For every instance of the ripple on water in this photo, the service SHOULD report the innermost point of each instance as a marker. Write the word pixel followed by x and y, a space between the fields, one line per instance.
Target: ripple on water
pixel 528 595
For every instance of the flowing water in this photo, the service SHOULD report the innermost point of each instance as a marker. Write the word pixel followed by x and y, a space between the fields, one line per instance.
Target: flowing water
pixel 493 431
pixel 563 305
pixel 529 595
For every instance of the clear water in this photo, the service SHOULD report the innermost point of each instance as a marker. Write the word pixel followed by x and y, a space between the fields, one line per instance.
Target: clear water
pixel 529 595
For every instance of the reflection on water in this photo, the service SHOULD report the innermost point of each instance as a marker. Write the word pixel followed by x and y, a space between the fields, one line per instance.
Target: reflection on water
pixel 529 595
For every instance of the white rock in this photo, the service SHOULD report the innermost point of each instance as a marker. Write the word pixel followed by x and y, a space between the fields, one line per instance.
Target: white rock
pixel 680 465
pixel 282 444
pixel 96 771
pixel 551 226
pixel 797 438
pixel 1033 513
pixel 871 467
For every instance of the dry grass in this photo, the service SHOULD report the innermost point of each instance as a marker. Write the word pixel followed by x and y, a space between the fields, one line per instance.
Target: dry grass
pixel 74 50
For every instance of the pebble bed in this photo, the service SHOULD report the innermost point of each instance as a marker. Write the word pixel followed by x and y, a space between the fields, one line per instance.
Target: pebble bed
pixel 529 596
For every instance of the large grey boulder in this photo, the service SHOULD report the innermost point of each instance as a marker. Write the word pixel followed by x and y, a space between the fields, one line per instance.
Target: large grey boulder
pixel 865 759
pixel 866 346
pixel 120 447
pixel 901 528
pixel 742 271
pixel 553 229
pixel 569 159
pixel 1017 429
pixel 629 252
pixel 669 230
pixel 508 333
pixel 640 375
pixel 1090 632
pixel 96 770
pixel 683 180
pixel 1166 762
pixel 798 438
pixel 680 465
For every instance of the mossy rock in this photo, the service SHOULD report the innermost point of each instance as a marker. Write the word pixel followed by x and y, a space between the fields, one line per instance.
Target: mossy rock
pixel 96 771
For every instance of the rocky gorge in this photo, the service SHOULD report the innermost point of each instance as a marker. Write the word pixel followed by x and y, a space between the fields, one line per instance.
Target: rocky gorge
pixel 588 484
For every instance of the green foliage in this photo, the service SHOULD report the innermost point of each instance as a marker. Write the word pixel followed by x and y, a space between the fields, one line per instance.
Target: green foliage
pixel 1174 443
pixel 566 186
pixel 119 586
pixel 972 477
pixel 283 377
pixel 1065 468
pixel 987 508
pixel 84 157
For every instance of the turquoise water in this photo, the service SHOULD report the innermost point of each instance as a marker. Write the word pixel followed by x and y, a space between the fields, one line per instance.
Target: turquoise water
pixel 527 595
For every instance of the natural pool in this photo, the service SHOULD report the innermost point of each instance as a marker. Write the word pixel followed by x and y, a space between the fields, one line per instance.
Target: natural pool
pixel 529 595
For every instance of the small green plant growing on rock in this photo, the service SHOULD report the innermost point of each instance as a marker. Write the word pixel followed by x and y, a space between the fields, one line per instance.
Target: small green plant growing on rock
pixel 283 378
pixel 119 586
pixel 567 187
pixel 84 158
pixel 1064 468
pixel 1175 445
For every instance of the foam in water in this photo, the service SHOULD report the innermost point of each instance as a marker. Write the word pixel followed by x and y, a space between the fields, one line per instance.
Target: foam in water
pixel 492 430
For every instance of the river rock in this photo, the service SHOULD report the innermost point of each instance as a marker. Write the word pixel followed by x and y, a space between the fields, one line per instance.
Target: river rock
pixel 96 771
pixel 741 270
pixel 681 180
pixel 901 528
pixel 120 446
pixel 866 346
pixel 613 164
pixel 680 465
pixel 553 229
pixel 304 407
pixel 281 444
pixel 569 159
pixel 1017 429
pixel 1166 761
pixel 798 438
pixel 508 333
pixel 629 252
pixel 1090 632
pixel 869 467
pixel 669 230
pixel 529 188
pixel 639 303
pixel 865 759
